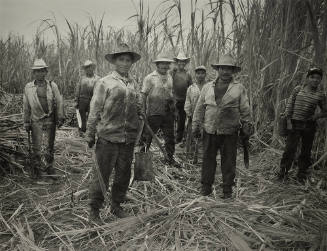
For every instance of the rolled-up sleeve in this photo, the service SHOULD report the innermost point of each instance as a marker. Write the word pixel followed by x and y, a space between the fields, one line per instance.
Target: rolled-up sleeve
pixel 96 107
pixel 198 115
pixel 27 110
pixel 244 105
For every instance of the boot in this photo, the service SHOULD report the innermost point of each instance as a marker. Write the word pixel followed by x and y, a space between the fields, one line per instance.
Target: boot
pixel 118 211
pixel 206 190
pixel 94 216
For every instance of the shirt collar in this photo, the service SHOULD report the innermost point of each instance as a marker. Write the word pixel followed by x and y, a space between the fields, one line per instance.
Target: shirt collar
pixel 116 75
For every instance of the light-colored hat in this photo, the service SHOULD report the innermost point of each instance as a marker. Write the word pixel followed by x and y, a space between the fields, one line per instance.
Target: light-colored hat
pixel 39 64
pixel 122 49
pixel 200 67
pixel 88 63
pixel 163 58
pixel 226 60
pixel 181 57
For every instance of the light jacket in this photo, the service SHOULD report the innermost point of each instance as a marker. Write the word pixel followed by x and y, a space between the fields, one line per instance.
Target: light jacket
pixel 192 96
pixel 33 111
pixel 223 118
pixel 114 110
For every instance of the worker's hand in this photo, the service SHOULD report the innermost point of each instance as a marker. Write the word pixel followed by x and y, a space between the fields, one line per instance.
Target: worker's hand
pixel 28 128
pixel 90 141
pixel 247 128
pixel 61 122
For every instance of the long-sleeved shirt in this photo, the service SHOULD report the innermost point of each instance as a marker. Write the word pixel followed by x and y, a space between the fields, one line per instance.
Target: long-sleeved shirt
pixel 85 87
pixel 181 81
pixel 159 91
pixel 33 111
pixel 114 109
pixel 192 96
pixel 223 118
pixel 302 104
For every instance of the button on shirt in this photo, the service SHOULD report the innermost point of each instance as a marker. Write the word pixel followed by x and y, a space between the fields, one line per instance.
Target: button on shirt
pixel 225 117
pixel 114 110
pixel 192 96
pixel 33 110
pixel 159 90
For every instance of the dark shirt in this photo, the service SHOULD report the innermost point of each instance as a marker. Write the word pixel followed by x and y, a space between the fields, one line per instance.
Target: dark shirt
pixel 181 81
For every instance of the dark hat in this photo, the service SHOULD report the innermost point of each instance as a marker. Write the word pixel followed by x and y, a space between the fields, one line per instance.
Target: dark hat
pixel 122 49
pixel 315 70
pixel 226 60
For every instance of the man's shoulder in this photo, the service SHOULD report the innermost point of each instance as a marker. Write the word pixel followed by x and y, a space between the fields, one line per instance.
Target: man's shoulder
pixel 29 85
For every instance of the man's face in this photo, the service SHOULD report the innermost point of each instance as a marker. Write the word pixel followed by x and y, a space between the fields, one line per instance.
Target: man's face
pixel 123 63
pixel 314 80
pixel 89 70
pixel 200 76
pixel 225 72
pixel 40 74
pixel 180 64
pixel 163 67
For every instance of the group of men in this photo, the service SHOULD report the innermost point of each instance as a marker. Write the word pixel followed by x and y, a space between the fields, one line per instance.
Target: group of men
pixel 112 109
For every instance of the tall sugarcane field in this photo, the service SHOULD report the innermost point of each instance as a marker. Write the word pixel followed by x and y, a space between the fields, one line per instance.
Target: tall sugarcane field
pixel 201 125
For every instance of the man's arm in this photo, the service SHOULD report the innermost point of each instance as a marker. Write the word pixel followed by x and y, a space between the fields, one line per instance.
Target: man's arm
pixel 244 106
pixel 77 93
pixel 198 115
pixel 27 112
pixel 323 106
pixel 188 105
pixel 290 102
pixel 59 101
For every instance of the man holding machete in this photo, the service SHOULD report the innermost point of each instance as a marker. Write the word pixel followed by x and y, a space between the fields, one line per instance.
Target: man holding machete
pixel 222 104
pixel 114 116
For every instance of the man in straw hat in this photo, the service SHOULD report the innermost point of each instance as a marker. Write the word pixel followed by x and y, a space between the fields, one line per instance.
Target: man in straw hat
pixel 222 104
pixel 300 112
pixel 159 103
pixel 84 92
pixel 43 110
pixel 181 81
pixel 114 117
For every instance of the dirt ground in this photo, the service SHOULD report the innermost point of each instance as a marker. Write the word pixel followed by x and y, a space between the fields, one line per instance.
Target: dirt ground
pixel 166 214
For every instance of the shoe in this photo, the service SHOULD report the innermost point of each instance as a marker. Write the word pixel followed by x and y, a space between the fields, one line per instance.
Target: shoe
pixel 127 199
pixel 225 196
pixel 94 216
pixel 118 211
pixel 206 190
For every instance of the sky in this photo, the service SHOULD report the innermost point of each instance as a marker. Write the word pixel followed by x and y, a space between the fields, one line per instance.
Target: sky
pixel 23 16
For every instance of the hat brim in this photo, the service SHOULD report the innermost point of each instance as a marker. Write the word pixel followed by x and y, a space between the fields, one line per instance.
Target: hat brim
pixel 39 67
pixel 200 69
pixel 111 56
pixel 182 59
pixel 163 60
pixel 217 66
pixel 84 66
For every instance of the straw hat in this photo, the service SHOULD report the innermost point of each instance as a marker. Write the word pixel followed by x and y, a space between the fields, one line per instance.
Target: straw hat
pixel 200 68
pixel 315 70
pixel 39 64
pixel 226 60
pixel 181 57
pixel 122 49
pixel 163 58
pixel 88 63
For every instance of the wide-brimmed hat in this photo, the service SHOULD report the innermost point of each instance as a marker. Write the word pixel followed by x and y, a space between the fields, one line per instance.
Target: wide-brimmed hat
pixel 163 58
pixel 122 49
pixel 315 70
pixel 88 63
pixel 39 64
pixel 226 60
pixel 200 68
pixel 181 57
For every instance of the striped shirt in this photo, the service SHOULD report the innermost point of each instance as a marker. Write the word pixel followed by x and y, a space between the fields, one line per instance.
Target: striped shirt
pixel 305 103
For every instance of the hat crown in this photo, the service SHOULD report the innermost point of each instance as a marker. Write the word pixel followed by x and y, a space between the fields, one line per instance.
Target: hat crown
pixel 200 67
pixel 122 47
pixel 163 57
pixel 88 62
pixel 181 56
pixel 39 64
pixel 227 59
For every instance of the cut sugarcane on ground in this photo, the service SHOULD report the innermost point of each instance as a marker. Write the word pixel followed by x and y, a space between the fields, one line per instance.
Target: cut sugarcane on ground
pixel 166 214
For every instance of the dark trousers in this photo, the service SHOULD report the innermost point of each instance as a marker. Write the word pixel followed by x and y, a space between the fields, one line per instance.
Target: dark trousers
pixel 181 120
pixel 84 109
pixel 166 124
pixel 293 138
pixel 228 150
pixel 43 137
pixel 111 156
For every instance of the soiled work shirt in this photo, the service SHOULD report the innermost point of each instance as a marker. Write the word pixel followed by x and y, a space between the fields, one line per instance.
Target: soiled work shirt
pixel 85 87
pixel 114 110
pixel 181 81
pixel 159 91
pixel 225 117
pixel 192 96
